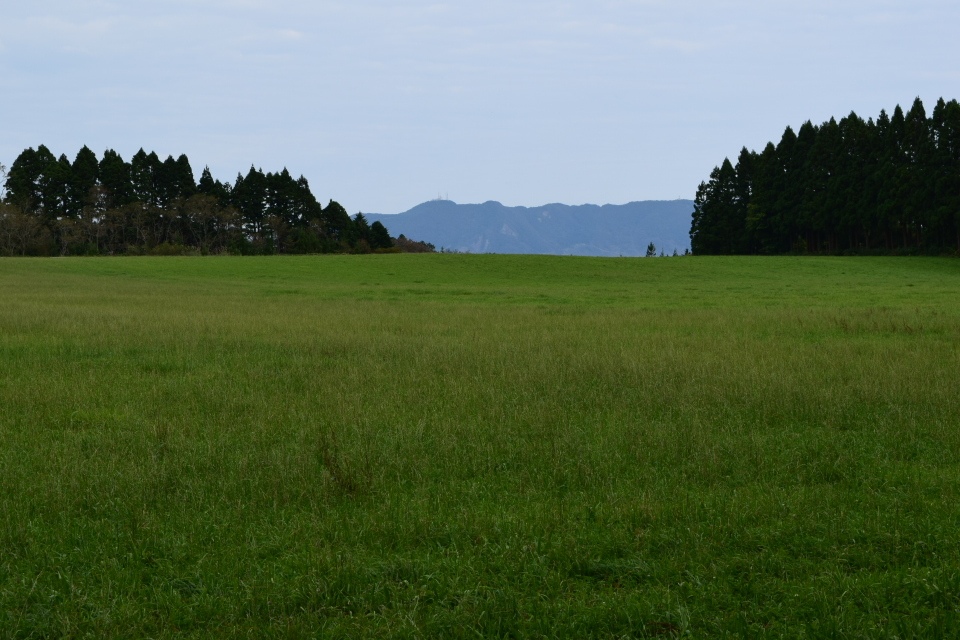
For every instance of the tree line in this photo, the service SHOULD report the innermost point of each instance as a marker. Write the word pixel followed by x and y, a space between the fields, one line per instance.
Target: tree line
pixel 52 206
pixel 890 185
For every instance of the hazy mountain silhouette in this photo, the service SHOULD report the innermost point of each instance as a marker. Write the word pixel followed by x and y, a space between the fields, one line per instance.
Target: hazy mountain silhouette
pixel 584 230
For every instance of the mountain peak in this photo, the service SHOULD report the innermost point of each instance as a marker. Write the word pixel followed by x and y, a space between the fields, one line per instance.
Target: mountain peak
pixel 560 229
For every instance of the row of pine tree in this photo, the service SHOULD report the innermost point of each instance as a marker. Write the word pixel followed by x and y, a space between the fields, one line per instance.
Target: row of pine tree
pixel 110 206
pixel 890 185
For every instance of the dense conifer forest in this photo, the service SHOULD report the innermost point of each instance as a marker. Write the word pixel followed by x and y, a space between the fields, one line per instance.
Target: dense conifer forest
pixel 890 185
pixel 91 206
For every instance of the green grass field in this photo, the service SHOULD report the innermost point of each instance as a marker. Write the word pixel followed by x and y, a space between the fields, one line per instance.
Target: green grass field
pixel 455 446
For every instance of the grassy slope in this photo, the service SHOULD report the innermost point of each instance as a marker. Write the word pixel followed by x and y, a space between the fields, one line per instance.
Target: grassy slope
pixel 448 445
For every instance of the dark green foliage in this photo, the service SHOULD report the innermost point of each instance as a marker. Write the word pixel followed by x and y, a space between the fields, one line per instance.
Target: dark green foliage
pixel 718 217
pixel 210 187
pixel 853 186
pixel 24 177
pixel 55 187
pixel 304 206
pixel 183 181
pixel 361 229
pixel 338 223
pixel 173 179
pixel 379 236
pixel 207 185
pixel 151 206
pixel 290 200
pixel 143 172
pixel 86 174
pixel 115 178
pixel 249 196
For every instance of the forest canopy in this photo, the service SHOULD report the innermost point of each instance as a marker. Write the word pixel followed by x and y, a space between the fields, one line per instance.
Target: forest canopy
pixel 52 206
pixel 890 185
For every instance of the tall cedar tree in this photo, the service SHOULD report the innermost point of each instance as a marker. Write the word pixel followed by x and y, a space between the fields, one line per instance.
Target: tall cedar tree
pixel 115 178
pixel 86 175
pixel 379 236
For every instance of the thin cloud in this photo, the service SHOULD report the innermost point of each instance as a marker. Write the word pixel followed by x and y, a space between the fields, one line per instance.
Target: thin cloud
pixel 61 31
pixel 674 44
pixel 291 34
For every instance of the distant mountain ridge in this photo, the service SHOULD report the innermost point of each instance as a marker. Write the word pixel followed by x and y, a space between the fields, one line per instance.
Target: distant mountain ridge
pixel 558 229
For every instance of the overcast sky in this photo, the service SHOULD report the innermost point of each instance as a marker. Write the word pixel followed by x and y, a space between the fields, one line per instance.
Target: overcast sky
pixel 384 104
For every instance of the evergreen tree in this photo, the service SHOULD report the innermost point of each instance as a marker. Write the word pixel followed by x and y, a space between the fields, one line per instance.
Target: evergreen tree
pixel 210 187
pixel 795 200
pixel 249 196
pixel 379 236
pixel 894 193
pixel 918 187
pixel 183 180
pixel 853 196
pixel 165 181
pixel 143 176
pixel 281 198
pixel 718 221
pixel 55 186
pixel 761 219
pixel 745 170
pixel 115 178
pixel 783 209
pixel 948 172
pixel 305 205
pixel 25 176
pixel 825 198
pixel 86 176
pixel 361 228
pixel 207 185
pixel 338 224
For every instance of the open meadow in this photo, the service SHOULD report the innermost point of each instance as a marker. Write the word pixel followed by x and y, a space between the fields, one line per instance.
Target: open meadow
pixel 463 446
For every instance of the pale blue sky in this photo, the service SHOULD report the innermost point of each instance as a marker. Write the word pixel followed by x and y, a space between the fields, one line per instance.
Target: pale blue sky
pixel 384 104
